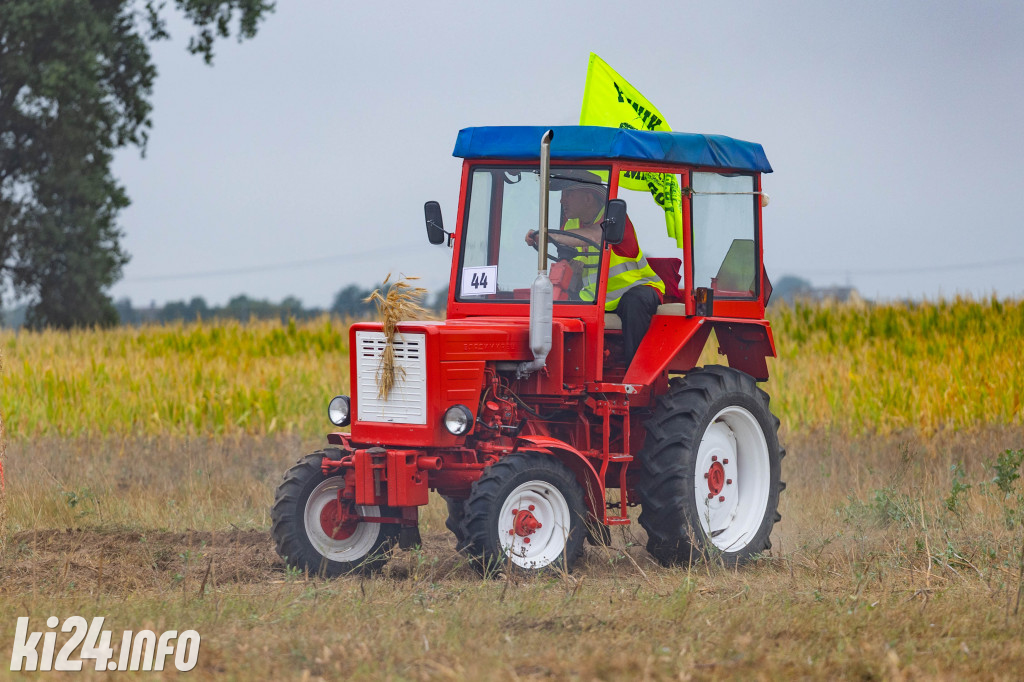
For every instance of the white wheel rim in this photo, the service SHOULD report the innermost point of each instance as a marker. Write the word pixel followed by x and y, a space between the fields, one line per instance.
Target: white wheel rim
pixel 527 546
pixel 733 479
pixel 353 548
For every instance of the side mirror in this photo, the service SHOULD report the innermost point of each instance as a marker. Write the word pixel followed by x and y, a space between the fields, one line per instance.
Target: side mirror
pixel 614 223
pixel 435 225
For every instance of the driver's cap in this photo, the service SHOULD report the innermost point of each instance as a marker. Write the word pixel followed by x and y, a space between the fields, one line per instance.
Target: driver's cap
pixel 575 178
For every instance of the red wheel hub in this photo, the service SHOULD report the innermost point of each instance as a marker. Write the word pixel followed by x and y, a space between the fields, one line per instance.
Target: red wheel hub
pixel 337 520
pixel 526 523
pixel 716 478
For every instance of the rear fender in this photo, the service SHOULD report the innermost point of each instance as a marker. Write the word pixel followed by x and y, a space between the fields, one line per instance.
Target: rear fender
pixel 747 344
pixel 675 343
pixel 593 489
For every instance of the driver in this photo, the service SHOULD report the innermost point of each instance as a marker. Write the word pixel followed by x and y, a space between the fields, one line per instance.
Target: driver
pixel 634 290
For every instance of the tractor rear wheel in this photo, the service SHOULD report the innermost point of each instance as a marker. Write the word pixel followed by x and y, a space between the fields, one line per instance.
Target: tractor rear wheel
pixel 525 513
pixel 318 532
pixel 710 473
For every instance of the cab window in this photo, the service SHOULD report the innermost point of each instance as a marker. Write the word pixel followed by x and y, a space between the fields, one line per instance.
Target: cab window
pixel 724 234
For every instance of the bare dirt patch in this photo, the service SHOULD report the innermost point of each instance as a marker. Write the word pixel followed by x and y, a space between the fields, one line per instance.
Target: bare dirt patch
pixel 128 561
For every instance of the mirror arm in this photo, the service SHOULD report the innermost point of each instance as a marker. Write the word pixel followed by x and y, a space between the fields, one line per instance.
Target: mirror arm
pixel 450 235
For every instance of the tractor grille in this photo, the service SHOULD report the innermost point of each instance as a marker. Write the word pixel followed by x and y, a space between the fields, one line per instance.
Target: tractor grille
pixel 407 403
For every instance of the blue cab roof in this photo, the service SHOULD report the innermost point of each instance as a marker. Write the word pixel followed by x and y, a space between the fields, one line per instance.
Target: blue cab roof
pixel 594 142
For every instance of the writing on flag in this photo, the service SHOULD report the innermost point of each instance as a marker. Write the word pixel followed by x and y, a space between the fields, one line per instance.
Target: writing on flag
pixel 609 100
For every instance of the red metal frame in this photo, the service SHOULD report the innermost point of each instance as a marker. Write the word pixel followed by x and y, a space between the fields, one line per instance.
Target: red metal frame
pixel 581 409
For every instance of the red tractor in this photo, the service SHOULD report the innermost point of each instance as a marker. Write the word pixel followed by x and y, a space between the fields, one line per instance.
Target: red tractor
pixel 519 408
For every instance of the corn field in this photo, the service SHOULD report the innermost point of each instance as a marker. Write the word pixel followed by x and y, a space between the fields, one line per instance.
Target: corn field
pixel 871 369
pixel 883 369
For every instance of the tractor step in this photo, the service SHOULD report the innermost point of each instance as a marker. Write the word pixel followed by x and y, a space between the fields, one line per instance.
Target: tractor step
pixel 607 387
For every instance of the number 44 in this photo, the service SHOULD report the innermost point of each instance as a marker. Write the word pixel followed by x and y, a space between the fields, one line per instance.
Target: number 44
pixel 479 280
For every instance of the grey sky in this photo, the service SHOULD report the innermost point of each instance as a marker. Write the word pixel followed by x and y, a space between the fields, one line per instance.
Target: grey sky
pixel 895 131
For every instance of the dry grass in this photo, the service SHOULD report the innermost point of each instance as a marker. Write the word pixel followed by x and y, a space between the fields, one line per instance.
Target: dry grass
pixel 874 574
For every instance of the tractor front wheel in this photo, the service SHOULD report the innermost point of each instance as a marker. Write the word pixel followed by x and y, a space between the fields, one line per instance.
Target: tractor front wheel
pixel 456 513
pixel 525 513
pixel 318 531
pixel 710 473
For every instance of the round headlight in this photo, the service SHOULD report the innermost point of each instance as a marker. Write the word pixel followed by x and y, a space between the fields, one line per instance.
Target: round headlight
pixel 458 419
pixel 339 410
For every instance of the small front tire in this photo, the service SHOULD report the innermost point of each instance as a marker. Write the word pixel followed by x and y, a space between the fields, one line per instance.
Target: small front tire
pixel 525 513
pixel 315 533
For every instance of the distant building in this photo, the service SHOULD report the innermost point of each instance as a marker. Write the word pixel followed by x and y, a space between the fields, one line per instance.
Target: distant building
pixel 791 289
pixel 834 294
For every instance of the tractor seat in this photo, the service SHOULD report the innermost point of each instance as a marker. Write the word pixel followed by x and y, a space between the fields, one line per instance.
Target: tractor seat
pixel 613 321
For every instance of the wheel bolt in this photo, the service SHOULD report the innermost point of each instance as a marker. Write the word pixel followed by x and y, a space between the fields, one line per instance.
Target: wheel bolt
pixel 714 458
pixel 721 498
pixel 728 481
pixel 705 475
pixel 530 508
pixel 514 512
pixel 725 461
pixel 710 495
pixel 526 540
pixel 511 531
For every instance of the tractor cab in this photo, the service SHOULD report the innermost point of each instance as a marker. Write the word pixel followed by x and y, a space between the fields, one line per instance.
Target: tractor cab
pixel 711 267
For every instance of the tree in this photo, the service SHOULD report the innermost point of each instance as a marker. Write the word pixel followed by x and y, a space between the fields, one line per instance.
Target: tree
pixel 351 302
pixel 173 311
pixel 789 288
pixel 76 77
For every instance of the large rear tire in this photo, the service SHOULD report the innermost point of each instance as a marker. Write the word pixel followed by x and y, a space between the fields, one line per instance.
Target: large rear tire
pixel 525 513
pixel 710 474
pixel 316 534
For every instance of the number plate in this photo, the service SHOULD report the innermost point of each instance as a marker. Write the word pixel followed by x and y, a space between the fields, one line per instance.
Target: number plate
pixel 479 281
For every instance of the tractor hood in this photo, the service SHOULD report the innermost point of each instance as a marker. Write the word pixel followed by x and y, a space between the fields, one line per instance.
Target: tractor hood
pixel 438 365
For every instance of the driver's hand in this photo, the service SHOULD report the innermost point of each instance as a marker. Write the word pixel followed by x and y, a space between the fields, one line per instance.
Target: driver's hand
pixel 531 237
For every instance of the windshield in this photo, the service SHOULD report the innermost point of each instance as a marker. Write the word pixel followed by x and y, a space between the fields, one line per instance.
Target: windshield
pixel 498 261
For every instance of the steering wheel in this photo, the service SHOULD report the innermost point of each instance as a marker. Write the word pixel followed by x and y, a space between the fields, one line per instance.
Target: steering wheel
pixel 569 252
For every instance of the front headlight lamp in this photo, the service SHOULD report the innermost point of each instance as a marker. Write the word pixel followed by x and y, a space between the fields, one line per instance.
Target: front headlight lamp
pixel 458 420
pixel 339 411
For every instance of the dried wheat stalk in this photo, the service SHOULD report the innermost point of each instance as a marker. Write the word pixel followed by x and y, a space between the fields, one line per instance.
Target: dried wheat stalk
pixel 400 303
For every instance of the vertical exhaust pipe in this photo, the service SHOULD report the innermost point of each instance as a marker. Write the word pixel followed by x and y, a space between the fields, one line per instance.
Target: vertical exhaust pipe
pixel 545 184
pixel 541 291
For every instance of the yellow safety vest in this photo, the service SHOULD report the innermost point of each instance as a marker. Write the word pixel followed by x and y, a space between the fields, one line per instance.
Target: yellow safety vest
pixel 623 273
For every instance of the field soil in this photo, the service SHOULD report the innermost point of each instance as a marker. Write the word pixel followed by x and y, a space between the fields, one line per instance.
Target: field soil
pixel 897 558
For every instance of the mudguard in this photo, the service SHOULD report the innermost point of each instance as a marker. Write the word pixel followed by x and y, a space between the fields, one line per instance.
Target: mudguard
pixel 593 488
pixel 674 343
